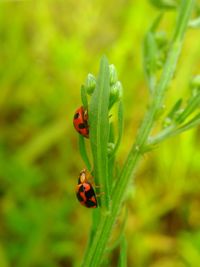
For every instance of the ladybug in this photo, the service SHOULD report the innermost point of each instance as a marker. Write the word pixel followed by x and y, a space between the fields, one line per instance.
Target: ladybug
pixel 81 122
pixel 85 192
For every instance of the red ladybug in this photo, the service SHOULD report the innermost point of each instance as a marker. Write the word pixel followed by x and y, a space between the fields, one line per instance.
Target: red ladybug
pixel 81 122
pixel 85 192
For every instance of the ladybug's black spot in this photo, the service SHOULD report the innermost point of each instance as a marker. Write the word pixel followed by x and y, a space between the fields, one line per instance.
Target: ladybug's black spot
pixel 81 188
pixel 79 197
pixel 90 193
pixel 90 204
pixel 76 116
pixel 81 126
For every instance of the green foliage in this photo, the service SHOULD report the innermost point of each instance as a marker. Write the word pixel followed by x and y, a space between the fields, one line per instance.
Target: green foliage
pixel 95 251
pixel 47 48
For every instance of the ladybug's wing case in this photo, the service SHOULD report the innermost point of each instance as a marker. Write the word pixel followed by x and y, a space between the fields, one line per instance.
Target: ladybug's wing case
pixel 81 194
pixel 86 195
pixel 91 198
pixel 80 122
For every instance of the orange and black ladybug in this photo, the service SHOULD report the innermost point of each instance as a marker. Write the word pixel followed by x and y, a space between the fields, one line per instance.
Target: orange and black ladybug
pixel 81 122
pixel 85 192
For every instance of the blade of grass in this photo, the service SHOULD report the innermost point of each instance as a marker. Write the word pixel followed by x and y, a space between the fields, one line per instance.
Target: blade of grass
pixel 99 130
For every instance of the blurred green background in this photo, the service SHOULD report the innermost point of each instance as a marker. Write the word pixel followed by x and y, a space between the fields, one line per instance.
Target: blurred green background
pixel 46 50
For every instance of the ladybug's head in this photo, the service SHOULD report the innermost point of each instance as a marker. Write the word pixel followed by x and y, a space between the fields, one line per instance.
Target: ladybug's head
pixel 82 177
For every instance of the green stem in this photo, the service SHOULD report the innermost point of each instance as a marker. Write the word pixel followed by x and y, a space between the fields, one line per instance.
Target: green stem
pixel 173 130
pixel 123 253
pixel 94 254
pixel 161 135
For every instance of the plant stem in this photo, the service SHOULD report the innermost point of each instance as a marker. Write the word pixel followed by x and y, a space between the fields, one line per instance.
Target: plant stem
pixel 94 254
pixel 173 130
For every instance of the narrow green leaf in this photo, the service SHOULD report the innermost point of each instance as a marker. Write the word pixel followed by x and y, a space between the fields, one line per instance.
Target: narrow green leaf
pixel 111 160
pixel 150 59
pixel 83 152
pixel 99 129
pixel 153 48
pixel 183 18
pixel 174 109
pixel 120 128
pixel 193 104
pixel 192 123
pixel 173 114
pixel 123 253
pixel 84 97
pixel 173 130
